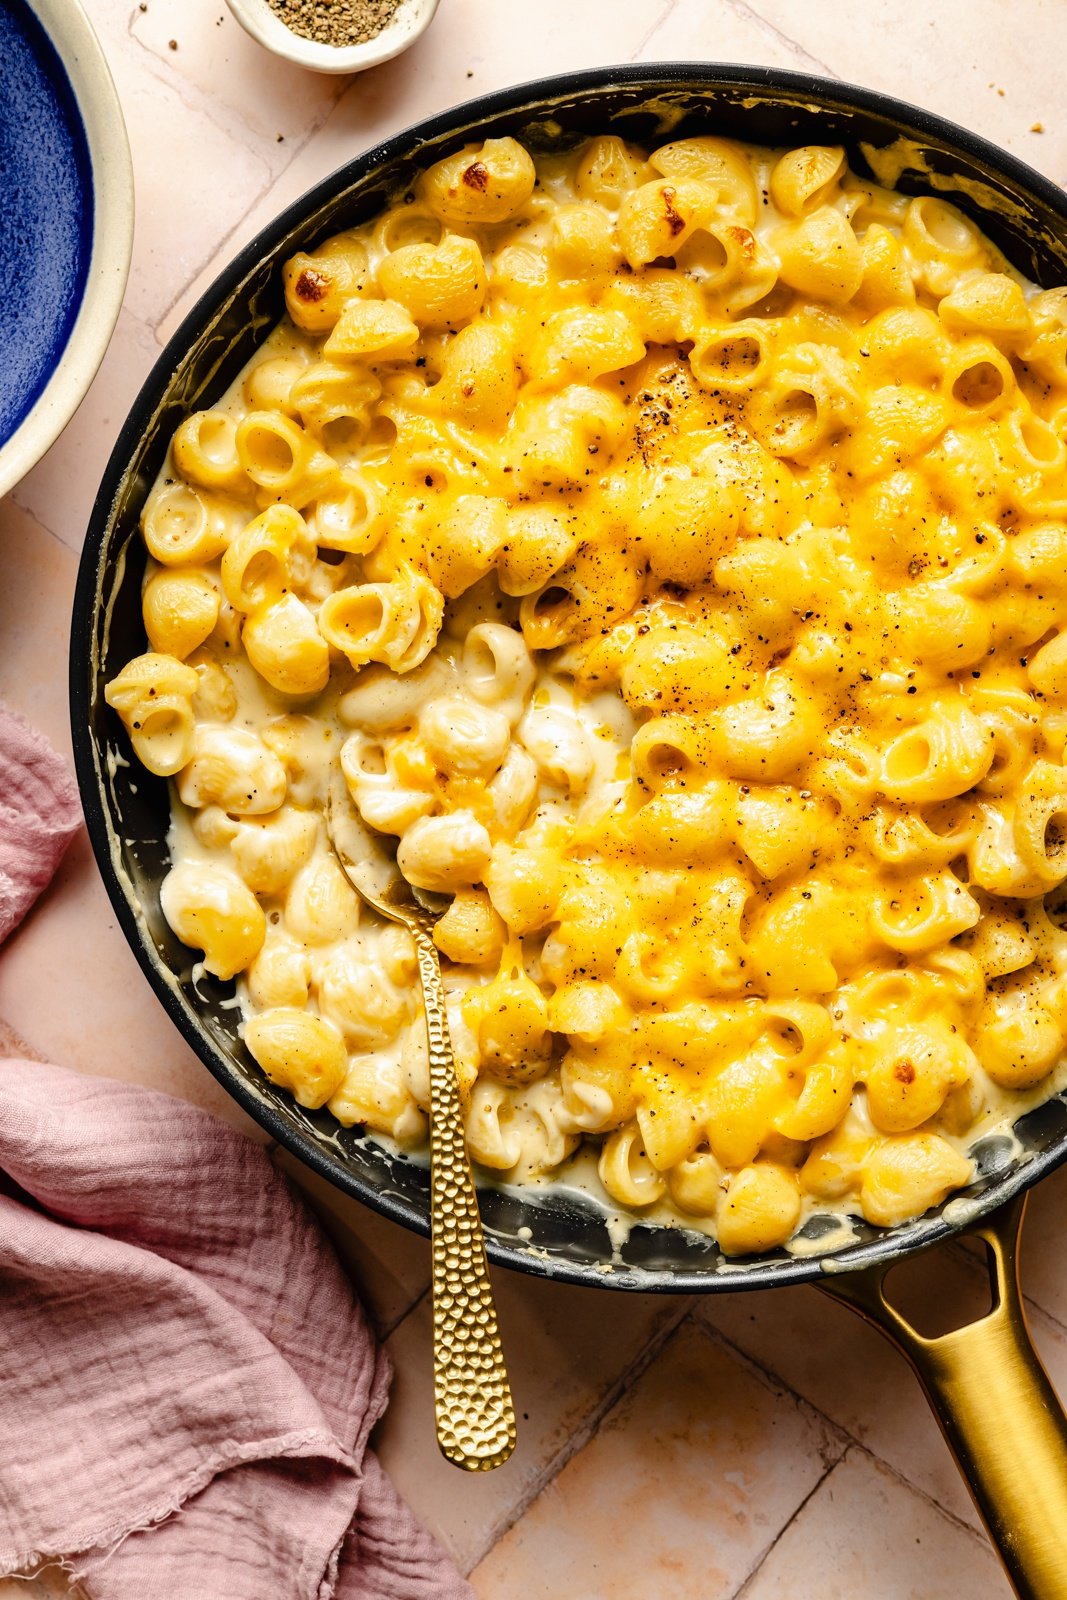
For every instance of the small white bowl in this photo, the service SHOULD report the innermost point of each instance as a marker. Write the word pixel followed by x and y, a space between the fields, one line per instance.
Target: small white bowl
pixel 90 306
pixel 410 21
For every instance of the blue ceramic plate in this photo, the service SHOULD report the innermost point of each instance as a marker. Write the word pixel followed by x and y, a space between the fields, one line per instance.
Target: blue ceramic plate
pixel 46 216
pixel 61 134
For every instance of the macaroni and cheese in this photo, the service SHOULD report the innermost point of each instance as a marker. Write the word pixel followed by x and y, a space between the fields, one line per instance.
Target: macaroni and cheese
pixel 670 551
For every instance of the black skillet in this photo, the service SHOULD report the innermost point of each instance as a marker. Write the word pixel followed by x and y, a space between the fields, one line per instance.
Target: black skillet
pixel 989 1391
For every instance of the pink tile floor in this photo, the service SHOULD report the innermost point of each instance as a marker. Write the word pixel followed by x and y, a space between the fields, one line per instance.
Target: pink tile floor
pixel 769 1447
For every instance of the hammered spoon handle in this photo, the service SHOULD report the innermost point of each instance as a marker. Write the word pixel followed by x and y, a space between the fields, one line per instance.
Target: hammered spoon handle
pixel 473 1408
pixel 472 1396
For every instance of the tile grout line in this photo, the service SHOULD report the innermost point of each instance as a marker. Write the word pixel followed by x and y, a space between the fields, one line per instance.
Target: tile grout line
pixel 856 1447
pixel 753 1573
pixel 853 1445
pixel 748 13
pixel 198 102
pixel 585 1431
pixel 853 1441
pixel 837 1428
pixel 387 1332
pixel 407 1312
pixel 297 148
pixel 924 1494
pixel 129 321
pixel 770 1379
pixel 35 519
pixel 1035 1305
pixel 224 250
pixel 221 252
pixel 635 54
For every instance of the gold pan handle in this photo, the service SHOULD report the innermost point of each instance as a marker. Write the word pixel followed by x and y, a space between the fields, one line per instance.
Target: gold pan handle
pixel 996 1407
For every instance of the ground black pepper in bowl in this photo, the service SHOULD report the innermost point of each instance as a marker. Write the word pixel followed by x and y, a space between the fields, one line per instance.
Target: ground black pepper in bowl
pixel 336 22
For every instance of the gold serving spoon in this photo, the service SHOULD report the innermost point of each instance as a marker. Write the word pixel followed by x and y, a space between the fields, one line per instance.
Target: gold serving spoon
pixel 472 1396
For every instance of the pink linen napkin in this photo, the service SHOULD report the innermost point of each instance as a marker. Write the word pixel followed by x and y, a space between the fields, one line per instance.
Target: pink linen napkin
pixel 178 1341
pixel 39 815
pixel 187 1381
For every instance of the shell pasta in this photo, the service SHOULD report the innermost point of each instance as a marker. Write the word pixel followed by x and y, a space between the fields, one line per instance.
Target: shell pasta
pixel 669 549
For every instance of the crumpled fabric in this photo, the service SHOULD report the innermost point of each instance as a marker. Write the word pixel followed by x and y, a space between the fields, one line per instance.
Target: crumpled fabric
pixel 39 815
pixel 187 1380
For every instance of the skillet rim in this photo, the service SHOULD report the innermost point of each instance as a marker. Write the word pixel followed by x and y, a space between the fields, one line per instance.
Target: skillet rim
pixel 533 97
